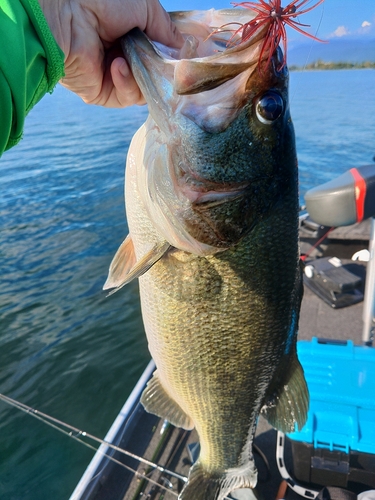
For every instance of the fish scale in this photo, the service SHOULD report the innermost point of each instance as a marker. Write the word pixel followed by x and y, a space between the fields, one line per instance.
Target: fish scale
pixel 188 341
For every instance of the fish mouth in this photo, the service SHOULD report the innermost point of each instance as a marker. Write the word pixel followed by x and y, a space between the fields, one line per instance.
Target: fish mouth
pixel 209 57
pixel 185 80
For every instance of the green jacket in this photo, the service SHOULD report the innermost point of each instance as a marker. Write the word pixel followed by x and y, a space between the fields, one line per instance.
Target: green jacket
pixel 31 63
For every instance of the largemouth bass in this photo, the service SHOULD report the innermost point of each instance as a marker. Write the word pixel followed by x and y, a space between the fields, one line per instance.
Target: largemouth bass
pixel 212 206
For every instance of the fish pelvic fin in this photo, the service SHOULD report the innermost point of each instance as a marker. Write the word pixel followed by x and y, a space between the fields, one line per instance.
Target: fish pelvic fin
pixel 206 485
pixel 288 406
pixel 124 266
pixel 156 400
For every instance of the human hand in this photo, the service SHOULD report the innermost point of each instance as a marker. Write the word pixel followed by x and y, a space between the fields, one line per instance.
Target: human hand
pixel 87 32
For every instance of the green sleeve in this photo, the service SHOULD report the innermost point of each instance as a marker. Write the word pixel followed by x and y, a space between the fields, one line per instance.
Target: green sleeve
pixel 31 63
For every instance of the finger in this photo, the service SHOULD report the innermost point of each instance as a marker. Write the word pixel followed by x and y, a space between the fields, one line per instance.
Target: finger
pixel 160 26
pixel 125 89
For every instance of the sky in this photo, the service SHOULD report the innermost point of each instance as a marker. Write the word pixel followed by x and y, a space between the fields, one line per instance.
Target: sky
pixel 332 19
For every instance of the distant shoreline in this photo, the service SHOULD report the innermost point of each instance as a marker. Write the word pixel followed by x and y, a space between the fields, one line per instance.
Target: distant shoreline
pixel 317 65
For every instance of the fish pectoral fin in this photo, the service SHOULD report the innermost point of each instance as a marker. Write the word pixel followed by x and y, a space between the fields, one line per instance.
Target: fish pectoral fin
pixel 124 266
pixel 289 405
pixel 122 263
pixel 156 400
pixel 203 484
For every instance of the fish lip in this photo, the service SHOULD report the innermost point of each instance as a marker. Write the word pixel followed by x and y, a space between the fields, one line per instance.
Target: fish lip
pixel 136 37
pixel 152 72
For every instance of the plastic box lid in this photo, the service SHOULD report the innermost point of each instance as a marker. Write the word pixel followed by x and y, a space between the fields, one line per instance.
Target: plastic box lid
pixel 341 381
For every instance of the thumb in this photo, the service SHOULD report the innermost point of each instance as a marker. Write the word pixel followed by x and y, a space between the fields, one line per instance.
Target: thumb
pixel 160 27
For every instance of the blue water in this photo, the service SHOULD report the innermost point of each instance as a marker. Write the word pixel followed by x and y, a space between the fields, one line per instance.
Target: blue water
pixel 65 348
pixel 334 118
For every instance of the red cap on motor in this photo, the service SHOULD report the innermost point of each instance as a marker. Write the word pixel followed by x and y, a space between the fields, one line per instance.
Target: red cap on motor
pixel 345 200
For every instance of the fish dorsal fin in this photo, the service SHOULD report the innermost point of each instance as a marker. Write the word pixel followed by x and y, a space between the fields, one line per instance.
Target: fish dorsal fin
pixel 156 401
pixel 290 404
pixel 124 266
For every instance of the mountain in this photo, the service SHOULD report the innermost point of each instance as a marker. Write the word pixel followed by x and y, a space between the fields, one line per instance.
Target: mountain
pixel 351 50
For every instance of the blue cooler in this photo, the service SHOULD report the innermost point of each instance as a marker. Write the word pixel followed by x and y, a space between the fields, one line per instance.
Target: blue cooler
pixel 336 447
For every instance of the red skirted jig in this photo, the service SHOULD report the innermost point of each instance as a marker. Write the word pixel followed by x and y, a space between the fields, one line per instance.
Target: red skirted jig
pixel 275 17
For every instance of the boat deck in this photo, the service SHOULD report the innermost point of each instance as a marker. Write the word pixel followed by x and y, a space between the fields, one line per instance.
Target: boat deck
pixel 318 319
pixel 147 436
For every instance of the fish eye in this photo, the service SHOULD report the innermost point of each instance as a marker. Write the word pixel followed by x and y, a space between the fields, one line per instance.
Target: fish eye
pixel 269 107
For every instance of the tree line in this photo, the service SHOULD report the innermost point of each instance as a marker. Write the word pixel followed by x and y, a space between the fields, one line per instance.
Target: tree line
pixel 320 64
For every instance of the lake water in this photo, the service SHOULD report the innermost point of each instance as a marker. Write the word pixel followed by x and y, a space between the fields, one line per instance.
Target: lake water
pixel 65 348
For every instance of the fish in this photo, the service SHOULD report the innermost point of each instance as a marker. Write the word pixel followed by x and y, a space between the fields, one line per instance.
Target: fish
pixel 212 205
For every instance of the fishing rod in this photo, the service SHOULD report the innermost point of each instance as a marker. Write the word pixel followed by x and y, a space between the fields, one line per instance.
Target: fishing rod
pixel 75 433
pixel 78 434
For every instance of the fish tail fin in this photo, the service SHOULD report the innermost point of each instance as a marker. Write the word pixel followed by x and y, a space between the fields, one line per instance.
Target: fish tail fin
pixel 206 485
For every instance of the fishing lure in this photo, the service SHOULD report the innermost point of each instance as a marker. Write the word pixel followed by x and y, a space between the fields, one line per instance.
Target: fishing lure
pixel 274 17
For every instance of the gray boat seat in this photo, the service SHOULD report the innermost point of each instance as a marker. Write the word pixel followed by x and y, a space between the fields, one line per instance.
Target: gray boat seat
pixel 345 200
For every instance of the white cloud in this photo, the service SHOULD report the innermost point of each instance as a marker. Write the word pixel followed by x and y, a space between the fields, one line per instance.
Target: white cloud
pixel 340 31
pixel 366 28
